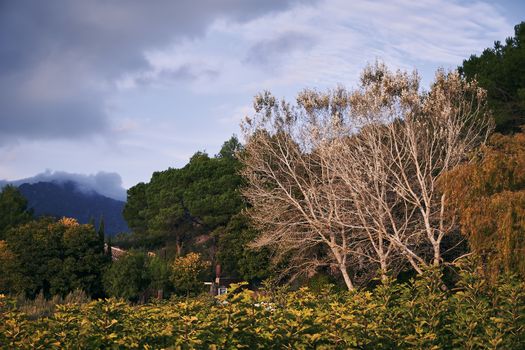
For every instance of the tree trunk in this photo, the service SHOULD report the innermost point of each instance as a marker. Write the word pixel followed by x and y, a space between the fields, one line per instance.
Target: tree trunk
pixel 437 253
pixel 178 247
pixel 346 277
pixel 384 269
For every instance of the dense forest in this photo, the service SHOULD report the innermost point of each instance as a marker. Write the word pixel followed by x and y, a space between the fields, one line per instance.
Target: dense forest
pixel 378 217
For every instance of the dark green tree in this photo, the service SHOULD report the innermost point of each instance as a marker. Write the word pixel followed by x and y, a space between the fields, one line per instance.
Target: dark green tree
pixel 236 257
pixel 128 277
pixel 134 211
pixel 501 71
pixel 37 246
pixel 190 209
pixel 9 269
pixel 160 275
pixel 212 196
pixel 84 260
pixel 178 205
pixel 55 258
pixel 166 214
pixel 230 148
pixel 13 209
pixel 101 232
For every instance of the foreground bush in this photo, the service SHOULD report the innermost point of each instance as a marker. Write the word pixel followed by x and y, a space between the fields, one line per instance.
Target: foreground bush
pixel 417 315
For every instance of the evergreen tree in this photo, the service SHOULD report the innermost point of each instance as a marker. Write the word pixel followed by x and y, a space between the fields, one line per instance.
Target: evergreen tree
pixel 501 71
pixel 178 205
pixel 13 209
pixel 128 277
pixel 55 258
pixel 136 205
pixel 109 253
pixel 101 234
pixel 236 258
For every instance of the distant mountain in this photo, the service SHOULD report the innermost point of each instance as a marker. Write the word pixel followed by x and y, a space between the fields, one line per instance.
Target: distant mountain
pixel 68 199
pixel 105 183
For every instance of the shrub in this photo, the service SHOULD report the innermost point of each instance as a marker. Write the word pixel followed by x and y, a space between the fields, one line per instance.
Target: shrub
pixel 419 314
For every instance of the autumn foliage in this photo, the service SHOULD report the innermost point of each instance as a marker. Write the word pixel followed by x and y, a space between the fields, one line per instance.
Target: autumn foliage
pixel 489 196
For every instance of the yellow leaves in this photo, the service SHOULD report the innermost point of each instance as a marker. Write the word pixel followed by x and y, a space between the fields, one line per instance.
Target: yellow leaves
pixel 415 317
pixel 68 222
pixel 111 324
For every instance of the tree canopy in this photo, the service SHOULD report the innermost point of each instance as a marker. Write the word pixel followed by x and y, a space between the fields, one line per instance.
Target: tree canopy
pixel 178 205
pixel 129 277
pixel 13 209
pixel 489 195
pixel 187 272
pixel 54 257
pixel 197 209
pixel 501 71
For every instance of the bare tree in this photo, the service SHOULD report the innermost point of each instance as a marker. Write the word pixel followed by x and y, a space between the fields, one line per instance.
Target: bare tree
pixel 354 174
pixel 412 139
pixel 293 190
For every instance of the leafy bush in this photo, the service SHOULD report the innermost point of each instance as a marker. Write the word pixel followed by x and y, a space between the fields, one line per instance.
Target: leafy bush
pixel 420 314
pixel 187 272
pixel 129 277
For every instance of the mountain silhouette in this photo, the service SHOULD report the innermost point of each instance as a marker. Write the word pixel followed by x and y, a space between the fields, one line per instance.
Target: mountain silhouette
pixel 67 199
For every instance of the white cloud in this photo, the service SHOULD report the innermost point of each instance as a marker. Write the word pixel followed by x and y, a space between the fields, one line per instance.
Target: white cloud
pixel 338 38
pixel 107 184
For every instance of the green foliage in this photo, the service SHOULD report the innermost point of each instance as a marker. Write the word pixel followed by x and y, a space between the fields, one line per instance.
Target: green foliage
pixel 230 149
pixel 178 205
pixel 187 274
pixel 54 258
pixel 160 274
pixel 234 254
pixel 501 71
pixel 212 193
pixel 9 267
pixel 415 315
pixel 134 210
pixel 321 282
pixel 197 209
pixel 129 277
pixel 13 209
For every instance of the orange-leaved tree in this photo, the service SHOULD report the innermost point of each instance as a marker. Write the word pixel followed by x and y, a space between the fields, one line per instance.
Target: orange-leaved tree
pixel 489 198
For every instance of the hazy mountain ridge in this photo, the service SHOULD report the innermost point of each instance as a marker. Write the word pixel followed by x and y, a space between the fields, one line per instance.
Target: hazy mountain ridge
pixel 67 199
pixel 108 184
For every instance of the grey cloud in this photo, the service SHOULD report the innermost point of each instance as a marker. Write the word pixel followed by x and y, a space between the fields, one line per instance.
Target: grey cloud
pixel 74 117
pixel 91 44
pixel 270 51
pixel 107 184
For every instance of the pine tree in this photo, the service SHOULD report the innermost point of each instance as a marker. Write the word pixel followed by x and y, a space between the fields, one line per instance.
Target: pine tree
pixel 101 233
pixel 13 209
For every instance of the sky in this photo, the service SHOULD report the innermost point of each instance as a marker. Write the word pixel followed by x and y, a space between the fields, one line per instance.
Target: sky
pixel 110 91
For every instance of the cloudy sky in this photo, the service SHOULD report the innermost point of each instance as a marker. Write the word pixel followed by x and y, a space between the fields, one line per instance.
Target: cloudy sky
pixel 131 87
